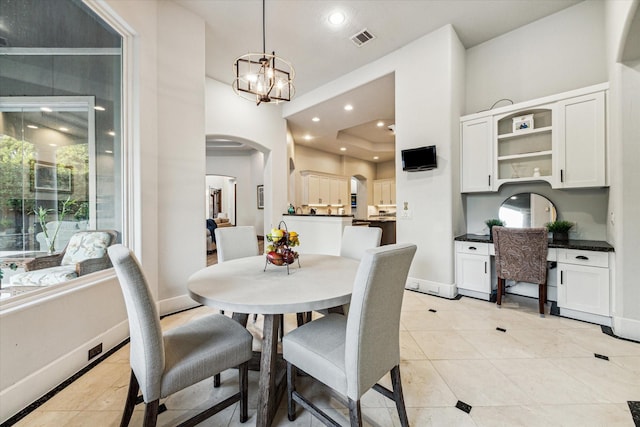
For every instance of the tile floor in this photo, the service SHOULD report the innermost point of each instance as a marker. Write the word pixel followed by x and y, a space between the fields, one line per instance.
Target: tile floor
pixel 540 372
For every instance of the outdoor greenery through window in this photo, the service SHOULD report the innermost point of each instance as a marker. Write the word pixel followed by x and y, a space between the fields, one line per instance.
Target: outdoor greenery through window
pixel 60 145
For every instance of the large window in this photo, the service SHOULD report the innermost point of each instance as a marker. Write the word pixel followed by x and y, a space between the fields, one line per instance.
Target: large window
pixel 60 145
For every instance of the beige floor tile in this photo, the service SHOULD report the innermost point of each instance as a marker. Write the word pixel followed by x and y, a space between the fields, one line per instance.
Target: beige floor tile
pixel 478 382
pixel 40 418
pixel 445 345
pixel 546 384
pixel 614 383
pixel 548 343
pixel 371 417
pixel 597 342
pixel 423 321
pixel 511 416
pixel 609 415
pixel 437 417
pixel 631 363
pixel 96 418
pixel 423 386
pixel 409 348
pixel 494 344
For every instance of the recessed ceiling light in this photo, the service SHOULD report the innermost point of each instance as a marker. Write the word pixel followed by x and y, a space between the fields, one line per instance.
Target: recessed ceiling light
pixel 32 126
pixel 112 133
pixel 315 119
pixel 64 129
pixel 46 109
pixel 336 18
pixel 307 137
pixel 53 145
pixel 343 149
pixel 375 157
pixel 348 107
pixel 98 108
pixel 108 151
pixel 380 124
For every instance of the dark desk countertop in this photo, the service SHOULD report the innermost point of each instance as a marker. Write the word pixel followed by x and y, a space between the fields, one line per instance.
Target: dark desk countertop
pixel 585 245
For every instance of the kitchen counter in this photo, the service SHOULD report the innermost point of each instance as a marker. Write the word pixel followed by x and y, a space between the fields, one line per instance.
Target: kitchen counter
pixel 388 225
pixel 585 245
pixel 319 234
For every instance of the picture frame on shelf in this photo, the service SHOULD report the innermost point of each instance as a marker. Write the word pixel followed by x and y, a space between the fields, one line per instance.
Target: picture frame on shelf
pixel 47 176
pixel 523 123
pixel 260 196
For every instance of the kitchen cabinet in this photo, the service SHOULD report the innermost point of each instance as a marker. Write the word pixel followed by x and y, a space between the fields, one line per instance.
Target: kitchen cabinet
pixel 473 269
pixel 583 282
pixel 319 189
pixel 477 155
pixel 384 192
pixel 581 149
pixel 560 139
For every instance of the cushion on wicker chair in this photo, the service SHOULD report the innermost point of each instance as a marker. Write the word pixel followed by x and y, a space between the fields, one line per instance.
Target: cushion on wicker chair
pixel 45 277
pixel 86 245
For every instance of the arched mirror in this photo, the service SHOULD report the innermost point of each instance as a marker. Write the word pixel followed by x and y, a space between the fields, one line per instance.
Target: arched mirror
pixel 525 210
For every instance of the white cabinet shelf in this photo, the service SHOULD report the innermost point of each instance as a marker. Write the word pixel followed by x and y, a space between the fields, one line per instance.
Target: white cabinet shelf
pixel 565 145
pixel 324 190
pixel 546 129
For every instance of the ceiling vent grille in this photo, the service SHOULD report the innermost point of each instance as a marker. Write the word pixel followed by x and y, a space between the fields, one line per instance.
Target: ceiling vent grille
pixel 362 37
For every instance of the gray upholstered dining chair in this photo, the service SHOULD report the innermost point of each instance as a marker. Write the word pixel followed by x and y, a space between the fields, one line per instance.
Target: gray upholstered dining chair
pixel 521 255
pixel 236 242
pixel 357 239
pixel 164 363
pixel 351 353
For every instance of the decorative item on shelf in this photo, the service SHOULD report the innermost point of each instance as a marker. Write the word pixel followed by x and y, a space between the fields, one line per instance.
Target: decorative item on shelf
pixel 523 123
pixel 291 210
pixel 559 230
pixel 279 251
pixel 491 223
pixel 536 172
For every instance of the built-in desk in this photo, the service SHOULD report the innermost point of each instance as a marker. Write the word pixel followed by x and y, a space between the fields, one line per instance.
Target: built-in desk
pixel 578 277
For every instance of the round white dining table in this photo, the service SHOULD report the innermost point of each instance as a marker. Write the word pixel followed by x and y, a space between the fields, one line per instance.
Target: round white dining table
pixel 244 286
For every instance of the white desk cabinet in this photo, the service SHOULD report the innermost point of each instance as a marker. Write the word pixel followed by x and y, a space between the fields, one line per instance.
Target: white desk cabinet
pixel 476 137
pixel 473 269
pixel 583 283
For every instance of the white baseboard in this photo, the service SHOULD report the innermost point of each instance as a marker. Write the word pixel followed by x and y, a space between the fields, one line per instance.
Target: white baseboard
pixel 586 317
pixel 433 288
pixel 474 294
pixel 173 305
pixel 626 328
pixel 21 394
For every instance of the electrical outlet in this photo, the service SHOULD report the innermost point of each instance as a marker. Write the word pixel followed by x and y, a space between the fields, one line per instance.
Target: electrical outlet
pixel 93 352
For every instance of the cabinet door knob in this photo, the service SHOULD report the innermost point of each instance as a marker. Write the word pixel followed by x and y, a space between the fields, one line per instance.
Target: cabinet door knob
pixel 582 257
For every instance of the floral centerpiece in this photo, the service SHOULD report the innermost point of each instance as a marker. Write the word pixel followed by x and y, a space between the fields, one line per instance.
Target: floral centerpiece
pixel 279 250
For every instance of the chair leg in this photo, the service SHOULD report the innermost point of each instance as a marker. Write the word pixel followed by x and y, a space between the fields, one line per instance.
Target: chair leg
pixel 541 298
pixel 216 381
pixel 291 387
pixel 398 396
pixel 355 414
pixel 151 413
pixel 243 374
pixel 500 290
pixel 132 397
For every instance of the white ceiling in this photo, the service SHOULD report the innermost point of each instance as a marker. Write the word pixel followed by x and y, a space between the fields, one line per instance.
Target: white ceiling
pixel 298 31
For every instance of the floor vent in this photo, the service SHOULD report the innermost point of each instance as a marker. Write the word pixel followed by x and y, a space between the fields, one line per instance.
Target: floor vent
pixel 362 37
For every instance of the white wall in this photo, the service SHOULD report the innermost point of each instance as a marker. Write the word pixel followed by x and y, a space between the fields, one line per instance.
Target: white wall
pixel 262 127
pixel 248 171
pixel 386 170
pixel 423 113
pixel 624 134
pixel 555 54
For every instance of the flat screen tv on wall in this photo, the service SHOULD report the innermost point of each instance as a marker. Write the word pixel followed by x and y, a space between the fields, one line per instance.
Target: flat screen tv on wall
pixel 419 159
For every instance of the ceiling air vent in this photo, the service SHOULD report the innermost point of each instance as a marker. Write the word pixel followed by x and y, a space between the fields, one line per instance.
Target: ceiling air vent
pixel 362 37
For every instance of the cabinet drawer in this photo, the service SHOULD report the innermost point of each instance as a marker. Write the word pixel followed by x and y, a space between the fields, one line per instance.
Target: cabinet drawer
pixel 472 248
pixel 578 257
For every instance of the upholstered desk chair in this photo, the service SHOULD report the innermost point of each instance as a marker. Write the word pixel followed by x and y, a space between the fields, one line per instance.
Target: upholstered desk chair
pixel 357 239
pixel 236 242
pixel 351 353
pixel 164 363
pixel 521 255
